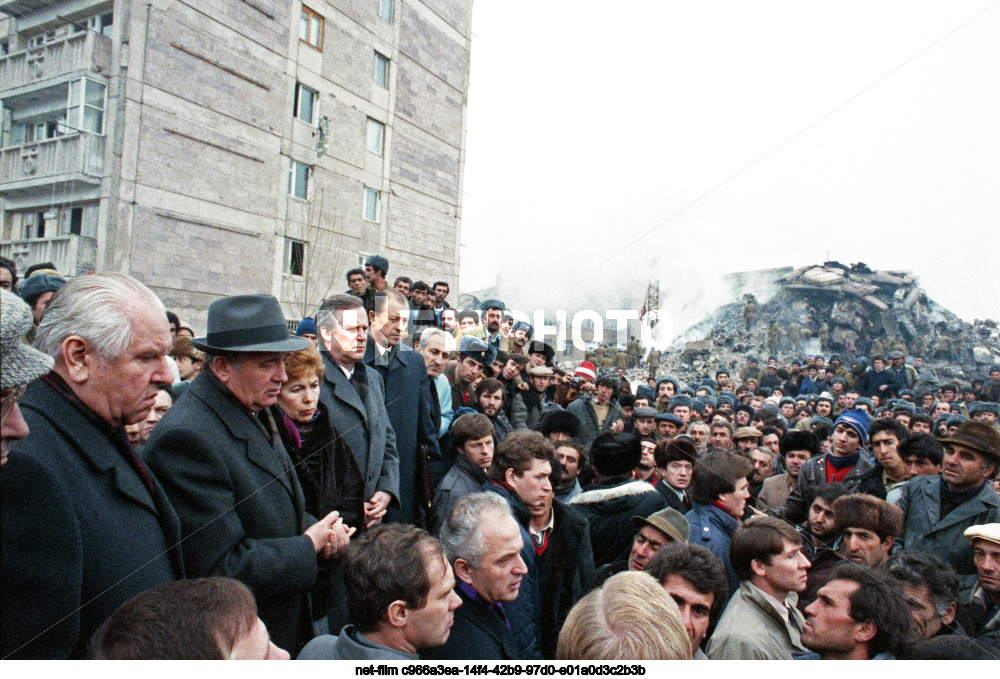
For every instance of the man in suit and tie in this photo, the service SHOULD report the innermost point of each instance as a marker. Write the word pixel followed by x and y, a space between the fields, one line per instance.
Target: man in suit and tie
pixel 675 461
pixel 353 394
pixel 226 472
pixel 408 403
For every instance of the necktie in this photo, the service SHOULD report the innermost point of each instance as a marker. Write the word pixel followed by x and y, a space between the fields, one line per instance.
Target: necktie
pixel 360 383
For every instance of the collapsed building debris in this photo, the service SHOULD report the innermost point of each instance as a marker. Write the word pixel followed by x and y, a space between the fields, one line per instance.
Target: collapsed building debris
pixel 833 307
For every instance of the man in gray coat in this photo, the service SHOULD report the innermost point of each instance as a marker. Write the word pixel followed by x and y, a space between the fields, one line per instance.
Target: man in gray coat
pixel 354 396
pixel 599 413
pixel 472 436
pixel 939 508
pixel 229 477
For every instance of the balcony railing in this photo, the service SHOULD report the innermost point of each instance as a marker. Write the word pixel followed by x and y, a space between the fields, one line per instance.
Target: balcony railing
pixel 84 52
pixel 72 157
pixel 72 254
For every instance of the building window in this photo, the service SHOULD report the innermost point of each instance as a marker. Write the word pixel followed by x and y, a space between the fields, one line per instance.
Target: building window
pixel 381 73
pixel 85 106
pixel 371 205
pixel 298 179
pixel 102 23
pixel 385 9
pixel 376 136
pixel 311 28
pixel 305 103
pixel 295 257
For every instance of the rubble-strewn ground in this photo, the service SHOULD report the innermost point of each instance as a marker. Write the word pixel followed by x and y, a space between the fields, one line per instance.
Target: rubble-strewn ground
pixel 850 310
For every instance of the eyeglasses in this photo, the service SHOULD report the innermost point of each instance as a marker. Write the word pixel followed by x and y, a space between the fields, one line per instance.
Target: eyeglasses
pixel 9 398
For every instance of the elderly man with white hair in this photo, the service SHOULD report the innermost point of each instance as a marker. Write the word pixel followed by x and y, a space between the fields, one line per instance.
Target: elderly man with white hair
pixel 90 525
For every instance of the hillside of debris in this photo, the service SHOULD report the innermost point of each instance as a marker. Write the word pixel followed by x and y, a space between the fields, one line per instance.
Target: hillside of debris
pixel 848 309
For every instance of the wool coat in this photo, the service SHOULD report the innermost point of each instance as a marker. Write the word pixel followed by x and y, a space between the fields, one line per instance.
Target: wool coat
pixel 813 474
pixel 408 405
pixel 752 629
pixel 364 426
pixel 81 532
pixel 241 506
pixel 926 530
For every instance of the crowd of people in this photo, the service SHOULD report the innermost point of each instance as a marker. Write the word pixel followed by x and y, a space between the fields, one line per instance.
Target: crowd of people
pixel 398 479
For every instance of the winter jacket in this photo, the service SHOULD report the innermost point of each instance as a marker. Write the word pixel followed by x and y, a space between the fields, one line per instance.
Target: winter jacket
pixel 479 633
pixel 751 628
pixel 526 410
pixel 814 474
pixel 583 408
pixel 609 508
pixel 464 478
pixel 567 569
pixel 975 616
pixel 713 529
pixel 926 531
pixel 872 381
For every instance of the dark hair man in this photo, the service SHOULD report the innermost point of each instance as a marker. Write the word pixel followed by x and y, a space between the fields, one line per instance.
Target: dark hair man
pixel 868 528
pixel 441 290
pixel 199 619
pixel 761 621
pixel 573 459
pixel 489 401
pixel 400 594
pixel 719 491
pixel 484 545
pixel 721 435
pixel 675 460
pixel 931 588
pixel 858 615
pixel 474 356
pixel 356 282
pixel 796 447
pixel 467 319
pixel 845 463
pixel 473 439
pixel 407 403
pixel 920 423
pixel 77 501
pixel 922 454
pixel 402 286
pixel 610 505
pixel 980 614
pixel 8 274
pixel 598 413
pixel 696 580
pixel 886 477
pixel 559 536
pixel 939 509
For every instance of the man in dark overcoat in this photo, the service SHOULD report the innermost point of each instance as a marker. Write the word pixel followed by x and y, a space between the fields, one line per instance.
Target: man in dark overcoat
pixel 407 404
pixel 354 397
pixel 229 478
pixel 86 526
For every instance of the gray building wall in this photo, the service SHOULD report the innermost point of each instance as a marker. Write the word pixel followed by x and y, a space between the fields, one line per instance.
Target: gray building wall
pixel 201 128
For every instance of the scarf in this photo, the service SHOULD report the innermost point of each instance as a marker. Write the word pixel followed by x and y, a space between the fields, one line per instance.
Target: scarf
pixel 723 507
pixel 839 467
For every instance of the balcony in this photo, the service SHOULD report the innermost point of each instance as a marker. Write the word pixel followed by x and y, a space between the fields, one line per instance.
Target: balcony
pixel 60 164
pixel 87 52
pixel 73 255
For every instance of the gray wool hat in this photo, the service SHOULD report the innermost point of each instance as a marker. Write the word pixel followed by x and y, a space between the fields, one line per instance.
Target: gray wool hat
pixel 33 287
pixel 19 362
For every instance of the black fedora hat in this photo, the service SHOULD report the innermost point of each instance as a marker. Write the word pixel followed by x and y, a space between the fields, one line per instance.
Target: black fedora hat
pixel 248 323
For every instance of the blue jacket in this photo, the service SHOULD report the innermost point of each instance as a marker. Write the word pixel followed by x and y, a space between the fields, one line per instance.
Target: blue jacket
pixel 713 529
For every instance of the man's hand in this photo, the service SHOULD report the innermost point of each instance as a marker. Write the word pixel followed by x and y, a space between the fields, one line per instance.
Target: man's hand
pixel 523 386
pixel 329 535
pixel 618 426
pixel 588 387
pixel 376 508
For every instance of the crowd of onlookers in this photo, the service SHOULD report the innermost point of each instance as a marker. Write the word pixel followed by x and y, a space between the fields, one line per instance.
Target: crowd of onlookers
pixel 400 480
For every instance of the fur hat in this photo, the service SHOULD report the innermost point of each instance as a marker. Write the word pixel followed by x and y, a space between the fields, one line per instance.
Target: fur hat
pixel 615 454
pixel 861 510
pixel 680 400
pixel 560 421
pixel 36 285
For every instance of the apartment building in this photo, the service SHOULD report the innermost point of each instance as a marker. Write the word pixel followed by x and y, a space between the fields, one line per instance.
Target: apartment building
pixel 216 147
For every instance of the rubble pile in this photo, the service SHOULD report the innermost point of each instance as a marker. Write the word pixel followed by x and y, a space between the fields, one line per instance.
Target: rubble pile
pixel 834 307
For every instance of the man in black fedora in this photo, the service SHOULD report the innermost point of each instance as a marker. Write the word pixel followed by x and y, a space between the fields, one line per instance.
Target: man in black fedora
pixel 229 478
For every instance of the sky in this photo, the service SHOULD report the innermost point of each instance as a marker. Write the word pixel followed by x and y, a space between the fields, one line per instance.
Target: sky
pixel 608 142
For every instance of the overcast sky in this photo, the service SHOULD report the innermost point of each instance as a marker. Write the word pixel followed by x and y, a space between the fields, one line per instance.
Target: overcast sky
pixel 850 133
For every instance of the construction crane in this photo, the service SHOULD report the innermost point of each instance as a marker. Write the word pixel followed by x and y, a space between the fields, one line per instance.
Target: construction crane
pixel 652 305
